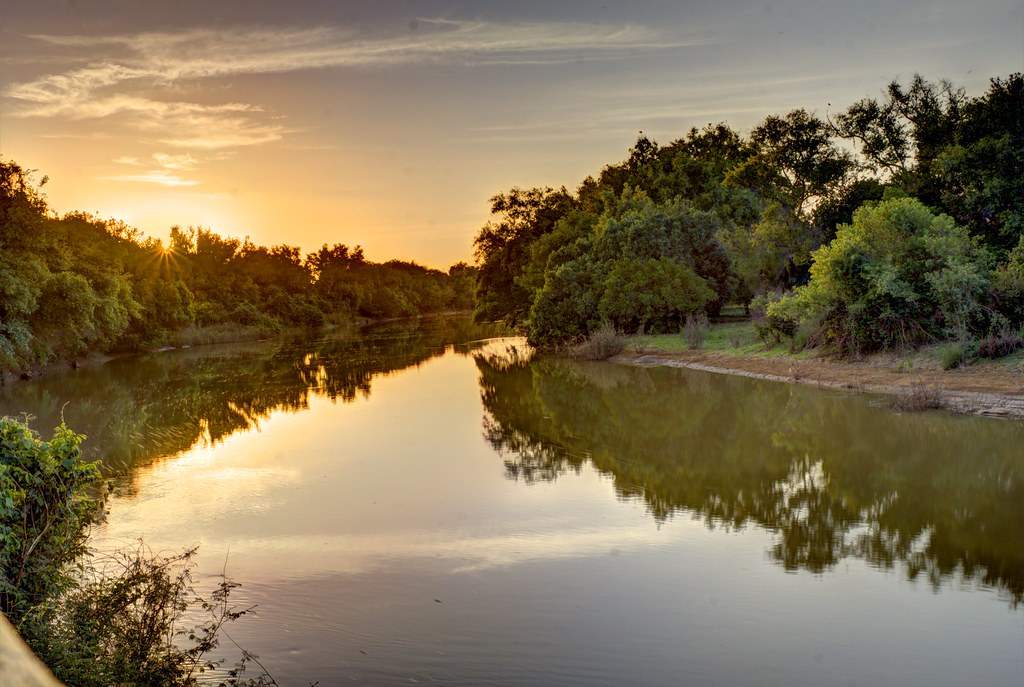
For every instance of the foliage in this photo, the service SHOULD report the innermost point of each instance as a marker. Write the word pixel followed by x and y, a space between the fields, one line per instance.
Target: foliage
pixel 954 354
pixel 1008 285
pixel 796 161
pixel 122 624
pixel 1000 345
pixel 74 284
pixel 566 307
pixel 502 249
pixel 897 276
pixel 126 624
pixel 601 344
pixel 651 294
pixel 643 265
pixel 695 329
pixel 45 508
pixel 751 214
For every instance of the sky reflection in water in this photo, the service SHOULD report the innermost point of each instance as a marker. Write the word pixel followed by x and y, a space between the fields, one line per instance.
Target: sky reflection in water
pixel 404 509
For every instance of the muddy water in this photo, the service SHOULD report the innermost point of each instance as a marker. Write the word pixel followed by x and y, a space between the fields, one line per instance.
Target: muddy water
pixel 409 504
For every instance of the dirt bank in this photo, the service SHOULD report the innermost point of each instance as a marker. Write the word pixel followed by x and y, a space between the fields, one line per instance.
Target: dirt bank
pixel 984 389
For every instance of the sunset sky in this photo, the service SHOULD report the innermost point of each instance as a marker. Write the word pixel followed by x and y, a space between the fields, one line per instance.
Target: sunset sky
pixel 389 124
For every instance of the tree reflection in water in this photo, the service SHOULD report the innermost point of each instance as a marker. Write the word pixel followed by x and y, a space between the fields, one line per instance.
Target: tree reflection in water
pixel 138 409
pixel 832 476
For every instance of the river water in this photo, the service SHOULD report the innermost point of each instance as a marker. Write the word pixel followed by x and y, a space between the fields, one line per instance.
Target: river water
pixel 423 503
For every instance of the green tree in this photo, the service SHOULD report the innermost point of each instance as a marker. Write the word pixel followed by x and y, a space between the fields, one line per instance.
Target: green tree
pixel 897 276
pixel 502 249
pixel 653 294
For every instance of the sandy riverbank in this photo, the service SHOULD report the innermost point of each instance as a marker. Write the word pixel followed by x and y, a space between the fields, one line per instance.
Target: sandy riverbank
pixel 978 389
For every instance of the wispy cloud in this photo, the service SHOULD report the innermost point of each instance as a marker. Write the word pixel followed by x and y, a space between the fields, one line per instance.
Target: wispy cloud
pixel 165 171
pixel 177 162
pixel 202 53
pixel 122 73
pixel 154 177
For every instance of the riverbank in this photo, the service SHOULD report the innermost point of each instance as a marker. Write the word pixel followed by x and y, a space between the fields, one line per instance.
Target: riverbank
pixel 194 337
pixel 994 388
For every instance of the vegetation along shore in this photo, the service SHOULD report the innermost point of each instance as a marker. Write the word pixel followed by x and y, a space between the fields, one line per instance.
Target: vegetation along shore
pixel 879 248
pixel 913 380
pixel 75 285
pixel 892 228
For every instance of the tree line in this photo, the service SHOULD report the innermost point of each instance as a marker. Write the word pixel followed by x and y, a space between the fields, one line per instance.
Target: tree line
pixel 73 284
pixel 895 222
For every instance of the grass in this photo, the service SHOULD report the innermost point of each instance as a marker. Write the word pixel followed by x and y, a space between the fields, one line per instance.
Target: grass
pixel 227 332
pixel 737 338
pixel 729 338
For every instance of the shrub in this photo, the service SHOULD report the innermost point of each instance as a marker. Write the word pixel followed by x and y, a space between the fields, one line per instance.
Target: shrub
pixel 896 277
pixel 126 625
pixel 1000 345
pixel 123 625
pixel 1008 285
pixel 46 504
pixel 603 343
pixel 695 329
pixel 772 329
pixel 639 265
pixel 209 313
pixel 955 354
pixel 919 397
pixel 675 230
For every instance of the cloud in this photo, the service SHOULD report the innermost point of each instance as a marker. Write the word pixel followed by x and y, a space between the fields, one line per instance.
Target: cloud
pixel 154 177
pixel 121 73
pixel 165 173
pixel 201 53
pixel 175 162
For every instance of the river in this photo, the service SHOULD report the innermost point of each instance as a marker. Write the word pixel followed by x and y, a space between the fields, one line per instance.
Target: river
pixel 424 503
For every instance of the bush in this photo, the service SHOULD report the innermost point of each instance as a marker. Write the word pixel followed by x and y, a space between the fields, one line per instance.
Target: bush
pixel 602 344
pixel 695 329
pixel 126 625
pixel 772 329
pixel 919 397
pixel 953 355
pixel 46 504
pixel 566 306
pixel 1000 345
pixel 639 265
pixel 896 277
pixel 123 625
pixel 1008 285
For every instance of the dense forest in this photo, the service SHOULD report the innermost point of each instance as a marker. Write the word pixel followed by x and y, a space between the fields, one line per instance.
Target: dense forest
pixel 74 283
pixel 890 224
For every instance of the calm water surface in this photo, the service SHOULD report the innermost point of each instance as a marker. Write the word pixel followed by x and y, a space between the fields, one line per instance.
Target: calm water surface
pixel 411 504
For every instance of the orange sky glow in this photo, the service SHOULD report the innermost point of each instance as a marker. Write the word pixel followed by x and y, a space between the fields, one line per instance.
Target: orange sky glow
pixel 390 124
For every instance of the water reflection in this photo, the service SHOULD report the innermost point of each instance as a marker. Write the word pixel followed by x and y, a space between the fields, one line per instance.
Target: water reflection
pixel 348 521
pixel 830 476
pixel 138 409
